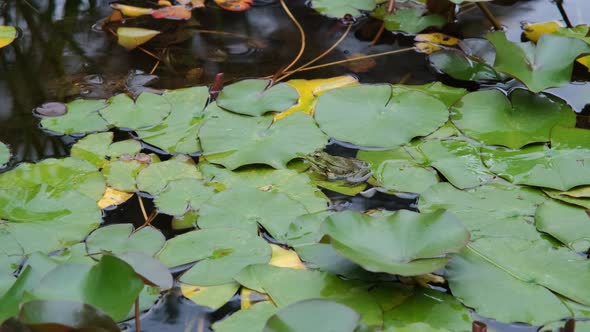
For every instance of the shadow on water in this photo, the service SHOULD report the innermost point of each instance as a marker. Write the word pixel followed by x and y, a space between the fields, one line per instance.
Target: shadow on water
pixel 59 56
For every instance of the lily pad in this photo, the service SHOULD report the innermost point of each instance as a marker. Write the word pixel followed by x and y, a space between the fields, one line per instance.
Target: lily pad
pixel 122 174
pixel 256 97
pixel 458 160
pixel 409 20
pixel 524 118
pixel 97 149
pixel 247 320
pixel 221 253
pixel 246 208
pixel 566 164
pixel 474 61
pixel 449 95
pixel 376 116
pixel 556 194
pixel 404 243
pixel 567 223
pixel 340 8
pixel 286 286
pixel 313 315
pixel 234 140
pixel 82 117
pixel 178 132
pixel 213 297
pixel 404 176
pixel 548 64
pixel 7 35
pixel 148 110
pixel 121 238
pixel 4 154
pixel 298 186
pixel 154 178
pixel 183 195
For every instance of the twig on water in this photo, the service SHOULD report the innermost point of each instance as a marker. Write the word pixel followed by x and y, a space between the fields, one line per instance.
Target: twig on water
pixel 301 34
pixel 390 9
pixel 566 19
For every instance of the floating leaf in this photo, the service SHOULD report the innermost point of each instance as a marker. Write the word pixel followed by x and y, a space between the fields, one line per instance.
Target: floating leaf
pixel 221 253
pixel 548 64
pixel 63 316
pixel 122 174
pixel 285 258
pixel 148 110
pixel 121 238
pixel 256 97
pixel 182 195
pixel 474 61
pixel 82 117
pixel 404 243
pixel 247 320
pixel 377 116
pixel 534 31
pixel 404 176
pixel 447 94
pixel 246 208
pixel 318 315
pixel 131 38
pixel 323 257
pixel 213 297
pixel 154 178
pixel 568 224
pixel 178 132
pixel 7 35
pixel 341 8
pixel 566 164
pixel 98 148
pixel 556 194
pixel 172 13
pixel 151 270
pixel 235 5
pixel 524 118
pixel 131 11
pixel 234 140
pixel 4 154
pixel 113 197
pixel 409 20
pixel 286 286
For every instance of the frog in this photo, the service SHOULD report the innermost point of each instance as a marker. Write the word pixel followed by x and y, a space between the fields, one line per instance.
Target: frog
pixel 335 168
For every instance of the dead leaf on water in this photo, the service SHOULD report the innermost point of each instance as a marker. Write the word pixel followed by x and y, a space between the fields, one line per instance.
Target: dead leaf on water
pixel 113 197
pixel 131 38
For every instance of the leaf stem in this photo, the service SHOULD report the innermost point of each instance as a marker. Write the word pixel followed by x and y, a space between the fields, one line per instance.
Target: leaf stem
pixel 497 25
pixel 390 8
pixel 137 321
pixel 566 19
pixel 301 33
pixel 142 207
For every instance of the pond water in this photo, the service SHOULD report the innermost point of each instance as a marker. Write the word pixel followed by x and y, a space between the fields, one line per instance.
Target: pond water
pixel 61 54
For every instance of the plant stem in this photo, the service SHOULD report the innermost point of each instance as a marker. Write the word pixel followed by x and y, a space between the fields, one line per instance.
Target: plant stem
pixel 216 86
pixel 570 326
pixel 566 19
pixel 390 8
pixel 301 33
pixel 489 15
pixel 137 322
pixel 142 207
pixel 479 327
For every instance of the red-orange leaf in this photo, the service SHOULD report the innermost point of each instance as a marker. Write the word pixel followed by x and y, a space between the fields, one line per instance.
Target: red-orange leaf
pixel 172 13
pixel 235 5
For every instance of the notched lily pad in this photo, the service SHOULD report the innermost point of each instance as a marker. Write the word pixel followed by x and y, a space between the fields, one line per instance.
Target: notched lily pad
pixel 405 243
pixel 514 121
pixel 120 238
pixel 256 96
pixel 148 110
pixel 99 148
pixel 378 115
pixel 82 117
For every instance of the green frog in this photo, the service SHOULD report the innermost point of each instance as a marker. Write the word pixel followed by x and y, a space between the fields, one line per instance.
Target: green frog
pixel 335 168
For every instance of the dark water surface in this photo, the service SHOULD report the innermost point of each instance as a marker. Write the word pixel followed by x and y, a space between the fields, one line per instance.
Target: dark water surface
pixel 62 55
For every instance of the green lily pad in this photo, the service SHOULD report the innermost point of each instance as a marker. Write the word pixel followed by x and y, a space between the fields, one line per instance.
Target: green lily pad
pixel 504 297
pixel 313 315
pixel 564 165
pixel 449 95
pixel 298 186
pixel 4 154
pixel 473 62
pixel 121 238
pixel 245 208
pixel 548 64
pixel 97 149
pixel 409 20
pixel 151 270
pixel 234 140
pixel 60 174
pixel 122 174
pixel 247 320
pixel 567 223
pixel 43 315
pixel 375 116
pixel 257 96
pixel 178 132
pixel 404 176
pixel 306 229
pixel 82 117
pixel 213 297
pixel 558 195
pixel 154 178
pixel 434 308
pixel 111 285
pixel 221 253
pixel 457 160
pixel 404 243
pixel 340 8
pixel 148 110
pixel 524 118
pixel 286 286
pixel 183 195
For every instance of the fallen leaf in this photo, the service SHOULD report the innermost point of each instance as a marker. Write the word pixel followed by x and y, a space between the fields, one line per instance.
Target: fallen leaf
pixel 172 13
pixel 285 258
pixel 438 38
pixel 534 31
pixel 131 11
pixel 131 38
pixel 7 35
pixel 112 197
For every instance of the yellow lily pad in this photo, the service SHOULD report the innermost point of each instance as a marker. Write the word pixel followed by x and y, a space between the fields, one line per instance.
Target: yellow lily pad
pixel 113 197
